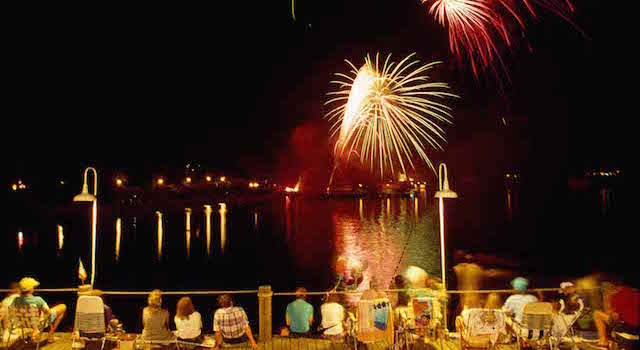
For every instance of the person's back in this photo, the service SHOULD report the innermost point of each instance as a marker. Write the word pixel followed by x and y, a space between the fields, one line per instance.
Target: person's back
pixel 230 321
pixel 189 327
pixel 515 304
pixel 155 321
pixel 299 313
pixel 332 315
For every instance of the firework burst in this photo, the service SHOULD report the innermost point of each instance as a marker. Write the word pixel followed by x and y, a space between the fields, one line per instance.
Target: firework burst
pixel 477 27
pixel 388 113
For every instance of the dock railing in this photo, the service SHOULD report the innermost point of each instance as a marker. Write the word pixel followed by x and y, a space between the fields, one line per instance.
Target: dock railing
pixel 265 296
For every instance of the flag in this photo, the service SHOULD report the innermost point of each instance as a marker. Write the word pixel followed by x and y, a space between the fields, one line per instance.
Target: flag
pixel 82 274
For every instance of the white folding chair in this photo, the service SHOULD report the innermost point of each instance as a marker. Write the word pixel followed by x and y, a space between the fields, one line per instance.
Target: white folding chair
pixel 89 321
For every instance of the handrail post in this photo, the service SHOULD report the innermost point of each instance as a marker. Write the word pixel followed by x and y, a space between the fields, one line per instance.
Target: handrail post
pixel 264 313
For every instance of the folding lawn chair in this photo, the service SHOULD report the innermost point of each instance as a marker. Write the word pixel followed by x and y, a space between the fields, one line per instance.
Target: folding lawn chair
pixel 481 328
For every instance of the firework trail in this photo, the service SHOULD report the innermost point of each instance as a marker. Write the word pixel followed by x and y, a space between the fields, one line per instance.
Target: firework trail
pixel 387 113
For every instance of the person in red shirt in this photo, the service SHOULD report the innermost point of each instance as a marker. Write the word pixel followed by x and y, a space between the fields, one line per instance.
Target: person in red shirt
pixel 622 314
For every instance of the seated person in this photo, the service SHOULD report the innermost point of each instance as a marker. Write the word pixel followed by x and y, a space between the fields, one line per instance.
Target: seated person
pixel 230 323
pixel 110 321
pixel 569 296
pixel 333 315
pixel 51 316
pixel 403 313
pixel 514 305
pixel 155 319
pixel 621 315
pixel 299 314
pixel 14 292
pixel 188 322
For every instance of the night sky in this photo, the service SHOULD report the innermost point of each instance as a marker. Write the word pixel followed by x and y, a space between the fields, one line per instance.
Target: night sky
pixel 148 89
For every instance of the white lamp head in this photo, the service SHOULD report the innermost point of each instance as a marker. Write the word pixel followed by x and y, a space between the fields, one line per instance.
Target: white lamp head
pixel 85 196
pixel 444 191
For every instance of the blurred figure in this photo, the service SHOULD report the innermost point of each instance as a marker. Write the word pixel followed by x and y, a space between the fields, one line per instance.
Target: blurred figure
pixel 494 301
pixel 570 296
pixel 399 282
pixel 403 313
pixel 188 322
pixel 155 319
pixel 621 314
pixel 469 275
pixel 332 315
pixel 514 305
pixel 14 292
pixel 299 314
pixel 52 316
pixel 231 323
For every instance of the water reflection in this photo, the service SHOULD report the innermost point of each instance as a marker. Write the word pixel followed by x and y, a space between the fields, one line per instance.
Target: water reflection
pixel 415 207
pixel 360 209
pixel 255 221
pixel 118 236
pixel 223 225
pixel 509 209
pixel 187 212
pixel 60 237
pixel 207 213
pixel 20 240
pixel 287 214
pixel 159 233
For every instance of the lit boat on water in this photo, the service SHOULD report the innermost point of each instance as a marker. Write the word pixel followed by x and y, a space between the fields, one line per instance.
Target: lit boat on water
pixel 346 191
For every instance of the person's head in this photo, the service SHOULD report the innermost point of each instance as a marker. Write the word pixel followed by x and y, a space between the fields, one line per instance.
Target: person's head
pixel 155 299
pixel 301 293
pixel 400 281
pixel 184 308
pixel 333 298
pixel 520 284
pixel 27 285
pixel 404 299
pixel 567 288
pixel 13 288
pixel 224 301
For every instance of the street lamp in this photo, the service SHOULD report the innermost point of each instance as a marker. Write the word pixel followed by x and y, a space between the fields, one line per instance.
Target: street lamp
pixel 85 196
pixel 443 192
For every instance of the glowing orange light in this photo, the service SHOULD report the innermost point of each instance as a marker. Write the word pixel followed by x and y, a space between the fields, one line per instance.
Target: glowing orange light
pixel 14 187
pixel 208 178
pixel 160 181
pixel 119 182
pixel 223 178
pixel 20 239
pixel 360 185
pixel 188 180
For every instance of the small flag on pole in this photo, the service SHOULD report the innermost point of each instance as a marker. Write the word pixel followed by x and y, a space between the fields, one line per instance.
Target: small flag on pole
pixel 82 274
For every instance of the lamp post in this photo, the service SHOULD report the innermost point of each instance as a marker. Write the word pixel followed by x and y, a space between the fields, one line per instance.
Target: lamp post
pixel 443 192
pixel 85 196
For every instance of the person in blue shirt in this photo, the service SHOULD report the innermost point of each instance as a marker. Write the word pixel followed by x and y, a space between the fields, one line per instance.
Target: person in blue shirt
pixel 299 314
pixel 50 316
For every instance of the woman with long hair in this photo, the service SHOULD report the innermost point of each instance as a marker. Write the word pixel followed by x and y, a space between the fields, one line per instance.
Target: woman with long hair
pixel 188 322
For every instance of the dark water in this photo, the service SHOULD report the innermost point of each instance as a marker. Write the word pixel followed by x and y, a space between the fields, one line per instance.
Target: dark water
pixel 286 242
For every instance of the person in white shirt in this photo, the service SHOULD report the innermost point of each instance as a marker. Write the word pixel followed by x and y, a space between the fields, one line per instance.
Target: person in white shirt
pixel 514 305
pixel 4 309
pixel 188 322
pixel 332 314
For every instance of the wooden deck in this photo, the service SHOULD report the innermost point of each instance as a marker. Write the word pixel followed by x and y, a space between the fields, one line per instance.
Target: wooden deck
pixel 284 343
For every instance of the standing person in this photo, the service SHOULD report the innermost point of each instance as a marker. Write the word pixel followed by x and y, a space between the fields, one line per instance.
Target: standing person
pixel 51 316
pixel 231 323
pixel 299 314
pixel 14 292
pixel 155 319
pixel 332 315
pixel 516 302
pixel 188 322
